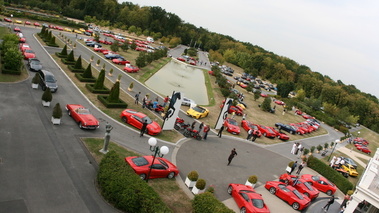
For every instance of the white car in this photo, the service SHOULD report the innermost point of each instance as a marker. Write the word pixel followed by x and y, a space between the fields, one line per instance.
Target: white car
pixel 188 102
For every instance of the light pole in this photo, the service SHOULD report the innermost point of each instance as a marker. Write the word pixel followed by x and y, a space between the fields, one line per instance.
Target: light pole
pixel 359 133
pixel 335 144
pixel 160 151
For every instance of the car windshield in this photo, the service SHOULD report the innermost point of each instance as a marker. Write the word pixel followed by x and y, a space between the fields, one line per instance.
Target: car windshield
pixel 233 122
pixel 308 186
pixel 29 51
pixel 140 161
pixel 163 163
pixel 50 78
pixel 315 178
pixel 147 119
pixel 83 111
pixel 198 109
pixel 258 203
pixel 298 194
pixel 35 63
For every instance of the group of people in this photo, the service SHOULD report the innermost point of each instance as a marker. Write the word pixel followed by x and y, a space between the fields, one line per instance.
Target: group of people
pixel 297 148
pixel 202 128
pixel 300 167
pixel 150 104
pixel 337 162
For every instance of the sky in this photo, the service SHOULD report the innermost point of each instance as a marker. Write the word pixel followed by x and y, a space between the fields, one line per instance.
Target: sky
pixel 337 38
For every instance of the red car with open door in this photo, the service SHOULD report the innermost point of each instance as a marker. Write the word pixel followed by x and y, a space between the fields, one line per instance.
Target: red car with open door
pixel 82 116
pixel 300 184
pixel 320 183
pixel 136 119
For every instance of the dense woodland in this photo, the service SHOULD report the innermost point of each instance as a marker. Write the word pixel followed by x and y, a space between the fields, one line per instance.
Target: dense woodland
pixel 314 91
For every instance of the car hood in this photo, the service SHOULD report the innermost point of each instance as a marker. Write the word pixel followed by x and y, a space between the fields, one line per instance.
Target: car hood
pixel 51 85
pixel 36 67
pixel 89 119
pixel 154 127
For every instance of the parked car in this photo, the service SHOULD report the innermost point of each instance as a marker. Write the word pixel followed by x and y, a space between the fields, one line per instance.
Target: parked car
pixel 28 23
pixel 247 125
pixel 350 161
pixel 130 68
pixel 162 168
pixel 267 132
pixel 247 199
pixel 300 184
pixel 364 149
pixel 36 24
pixel 47 79
pixel 279 102
pixel 181 59
pixel 28 53
pixel 18 21
pixel 320 183
pixel 198 112
pixel 286 127
pixel 231 126
pixel 24 46
pixel 236 109
pixel 289 194
pixel 82 116
pixel 113 56
pixel 136 119
pixel 350 169
pixel 188 102
pixel 121 61
pixel 7 19
pixel 280 135
pixel 34 65
pixel 17 29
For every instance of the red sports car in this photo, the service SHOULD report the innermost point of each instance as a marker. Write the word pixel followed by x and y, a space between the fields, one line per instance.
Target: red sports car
pixel 301 185
pixel 59 28
pixel 121 61
pixel 364 149
pixel 360 141
pixel 140 49
pixel 279 102
pixel 23 47
pixel 136 119
pixel 130 68
pixel 82 116
pixel 192 62
pixel 266 131
pixel 320 183
pixel 22 40
pixel 289 194
pixel 281 135
pixel 17 29
pixel 307 116
pixel 160 169
pixel 264 95
pixel 231 126
pixel 7 19
pixel 248 125
pixel 247 199
pixel 181 59
pixel 36 24
pixel 236 109
pixel 28 53
pixel 99 49
pixel 27 23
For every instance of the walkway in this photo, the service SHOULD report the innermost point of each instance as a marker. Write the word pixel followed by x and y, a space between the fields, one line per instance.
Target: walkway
pixel 356 156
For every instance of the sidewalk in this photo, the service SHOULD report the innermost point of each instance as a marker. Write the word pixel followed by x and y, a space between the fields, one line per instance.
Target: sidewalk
pixel 354 155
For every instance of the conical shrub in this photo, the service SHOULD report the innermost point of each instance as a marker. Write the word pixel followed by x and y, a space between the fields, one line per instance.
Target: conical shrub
pixel 78 64
pixel 64 50
pixel 88 72
pixel 70 56
pixel 99 84
pixel 115 93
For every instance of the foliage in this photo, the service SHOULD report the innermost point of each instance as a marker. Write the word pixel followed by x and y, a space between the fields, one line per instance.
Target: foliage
pixel 98 61
pixel 328 172
pixel 78 64
pixel 88 72
pixel 115 46
pixel 47 96
pixel 12 59
pixel 306 151
pixel 200 184
pixel 99 84
pixel 124 189
pixel 208 203
pixel 290 164
pixel 141 60
pixel 115 93
pixel 193 175
pixel 70 56
pixel 57 111
pixel 36 79
pixel 313 149
pixel 131 85
pixel 319 147
pixel 253 179
pixel 64 50
pixel 266 104
pixel 257 94
pixel 210 189
pixel 326 145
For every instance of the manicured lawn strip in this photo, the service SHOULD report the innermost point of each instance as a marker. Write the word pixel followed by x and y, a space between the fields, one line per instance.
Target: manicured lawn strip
pixel 211 98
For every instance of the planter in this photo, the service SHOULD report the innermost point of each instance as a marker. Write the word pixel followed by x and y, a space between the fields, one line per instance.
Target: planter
pixel 250 184
pixel 196 191
pixel 46 103
pixel 55 121
pixel 288 169
pixel 35 86
pixel 189 182
pixel 129 89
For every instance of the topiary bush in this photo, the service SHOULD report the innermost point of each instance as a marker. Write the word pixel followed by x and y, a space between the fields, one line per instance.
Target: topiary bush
pixel 319 148
pixel 306 151
pixel 200 184
pixel 47 96
pixel 208 203
pixel 57 111
pixel 253 179
pixel 193 175
pixel 313 149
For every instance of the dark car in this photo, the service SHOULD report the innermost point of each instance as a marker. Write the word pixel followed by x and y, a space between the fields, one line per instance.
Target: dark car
pixel 47 79
pixel 286 127
pixel 92 44
pixel 350 161
pixel 34 65
pixel 113 56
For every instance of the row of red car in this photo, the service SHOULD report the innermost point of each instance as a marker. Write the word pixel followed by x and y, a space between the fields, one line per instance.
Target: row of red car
pixel 27 52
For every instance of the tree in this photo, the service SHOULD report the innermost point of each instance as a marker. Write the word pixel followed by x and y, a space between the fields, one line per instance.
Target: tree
pixel 88 72
pixel 12 59
pixel 78 63
pixel 115 93
pixel 266 105
pixel 70 57
pixel 57 111
pixel 115 46
pixel 64 50
pixel 125 46
pixel 99 84
pixel 257 94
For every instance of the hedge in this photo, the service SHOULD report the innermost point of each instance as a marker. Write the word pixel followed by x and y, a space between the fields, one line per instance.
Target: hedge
pixel 123 188
pixel 103 100
pixel 67 62
pixel 73 69
pixel 80 77
pixel 60 55
pixel 10 72
pixel 97 91
pixel 329 173
pixel 208 203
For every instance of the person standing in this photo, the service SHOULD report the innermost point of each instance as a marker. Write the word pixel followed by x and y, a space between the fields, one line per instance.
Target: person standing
pixel 301 166
pixel 345 199
pixel 296 149
pixel 337 163
pixel 330 202
pixel 206 130
pixel 219 134
pixel 165 101
pixel 249 134
pixel 299 148
pixel 137 98
pixel 333 161
pixel 144 100
pixel 193 125
pixel 143 129
pixel 293 167
pixel 201 126
pixel 293 148
pixel 231 156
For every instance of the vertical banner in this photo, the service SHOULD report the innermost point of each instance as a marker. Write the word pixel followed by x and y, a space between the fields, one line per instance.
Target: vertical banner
pixel 172 111
pixel 223 113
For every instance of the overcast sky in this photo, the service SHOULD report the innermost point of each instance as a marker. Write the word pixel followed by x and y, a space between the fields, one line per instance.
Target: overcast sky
pixel 338 38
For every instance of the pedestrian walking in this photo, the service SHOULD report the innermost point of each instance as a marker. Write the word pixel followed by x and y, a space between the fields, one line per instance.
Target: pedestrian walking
pixel 206 130
pixel 293 167
pixel 293 148
pixel 330 202
pixel 299 148
pixel 244 116
pixel 301 166
pixel 219 134
pixel 143 129
pixel 201 126
pixel 345 199
pixel 165 101
pixel 193 125
pixel 333 161
pixel 296 149
pixel 231 156
pixel 144 100
pixel 137 98
pixel 249 134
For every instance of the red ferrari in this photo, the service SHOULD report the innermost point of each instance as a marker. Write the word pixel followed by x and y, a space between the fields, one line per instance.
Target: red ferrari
pixel 121 61
pixel 236 109
pixel 136 119
pixel 279 102
pixel 363 149
pixel 99 49
pixel 28 23
pixel 266 131
pixel 181 59
pixel 231 126
pixel 289 194
pixel 300 184
pixel 160 169
pixel 82 116
pixel 23 47
pixel 36 24
pixel 248 125
pixel 247 200
pixel 320 183
pixel 28 53
pixel 130 68
pixel 281 135
pixel 17 29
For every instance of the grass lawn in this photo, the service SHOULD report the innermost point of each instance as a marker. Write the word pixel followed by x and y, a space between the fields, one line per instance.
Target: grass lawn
pixel 167 189
pixel 371 136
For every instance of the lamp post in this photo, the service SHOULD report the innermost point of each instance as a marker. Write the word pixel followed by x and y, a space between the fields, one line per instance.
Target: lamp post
pixel 335 144
pixel 158 151
pixel 359 133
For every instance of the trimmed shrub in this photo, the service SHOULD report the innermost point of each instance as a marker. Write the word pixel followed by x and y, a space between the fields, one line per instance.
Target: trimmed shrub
pixel 328 172
pixel 100 80
pixel 313 149
pixel 36 79
pixel 78 63
pixel 118 104
pixel 253 179
pixel 319 148
pixel 80 77
pixel 70 57
pixel 306 151
pixel 114 96
pixel 102 90
pixel 72 68
pixel 47 96
pixel 88 72
pixel 193 175
pixel 124 189
pixel 57 111
pixel 63 53
pixel 208 203
pixel 200 184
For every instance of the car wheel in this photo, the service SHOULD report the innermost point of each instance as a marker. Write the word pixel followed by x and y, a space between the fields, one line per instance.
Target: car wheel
pixel 295 205
pixel 230 189
pixel 124 119
pixel 171 175
pixel 120 63
pixel 264 134
pixel 142 176
pixel 243 210
pixel 306 194
pixel 292 132
pixel 272 190
pixel 329 192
